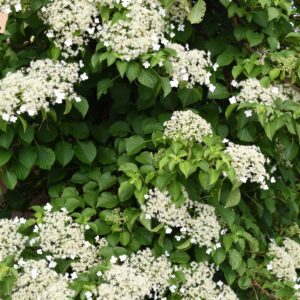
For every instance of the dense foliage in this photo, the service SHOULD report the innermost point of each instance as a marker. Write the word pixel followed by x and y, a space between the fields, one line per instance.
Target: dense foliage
pixel 152 147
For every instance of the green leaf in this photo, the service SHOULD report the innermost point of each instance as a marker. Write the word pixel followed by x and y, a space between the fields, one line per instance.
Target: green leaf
pixel 122 67
pixel 55 53
pixel 197 12
pixel 225 58
pixel 6 137
pixel 82 106
pixel 233 198
pixel 290 151
pixel 129 169
pixel 120 128
pixel 179 257
pixel 274 73
pixel 105 181
pixel 64 153
pixel 26 135
pixel 106 156
pixel 133 71
pixel 86 152
pixel 273 13
pixel 125 191
pixel 219 256
pixel 244 282
pixel 220 92
pixel 5 156
pixel 124 238
pixel 148 78
pixel 190 96
pixel 9 179
pixel 107 200
pixel 235 259
pixel 45 157
pixel 27 155
pixel 134 144
pixel 103 86
pixel 72 203
pixel 186 168
pixel 254 38
pixel 166 86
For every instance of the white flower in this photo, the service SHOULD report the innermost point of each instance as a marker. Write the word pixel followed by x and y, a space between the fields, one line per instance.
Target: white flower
pixel 211 88
pixel 234 83
pixel 5 117
pixel 48 207
pixel 215 67
pixel 141 31
pixel 273 180
pixel 188 126
pixel 88 295
pixel 18 7
pixel 248 113
pixel 68 42
pixel 192 65
pixel 123 257
pixel 173 288
pixel 146 65
pixel 113 259
pixel 209 251
pixel 84 77
pixel 34 273
pixel 74 275
pixel 52 264
pixel 156 47
pixel 168 230
pixel 249 164
pixel 181 27
pixel 297 286
pixel 269 267
pixel 37 87
pixel 202 227
pixel 232 100
pixel 174 83
pixel 253 92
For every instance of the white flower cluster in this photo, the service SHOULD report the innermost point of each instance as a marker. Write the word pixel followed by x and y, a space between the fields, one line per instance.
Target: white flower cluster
pixel 191 66
pixel 72 24
pixel 44 83
pixel 7 6
pixel 199 284
pixel 64 239
pixel 249 164
pixel 139 276
pixel 282 264
pixel 178 13
pixel 195 220
pixel 293 250
pixel 186 125
pixel 142 30
pixel 11 242
pixel 37 281
pixel 252 91
pixel 113 3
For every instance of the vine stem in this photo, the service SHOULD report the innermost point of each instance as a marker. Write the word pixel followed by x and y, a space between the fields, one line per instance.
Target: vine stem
pixel 255 284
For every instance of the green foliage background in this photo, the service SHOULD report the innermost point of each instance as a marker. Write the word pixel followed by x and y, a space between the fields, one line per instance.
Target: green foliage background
pixel 95 157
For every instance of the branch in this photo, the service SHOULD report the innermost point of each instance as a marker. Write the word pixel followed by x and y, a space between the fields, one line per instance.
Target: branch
pixel 255 284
